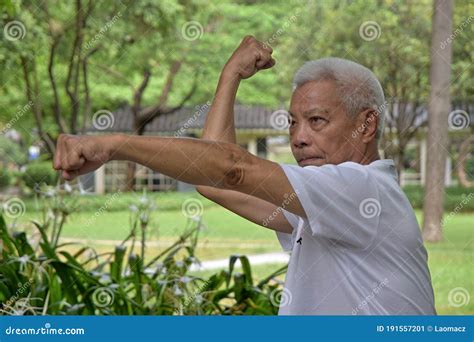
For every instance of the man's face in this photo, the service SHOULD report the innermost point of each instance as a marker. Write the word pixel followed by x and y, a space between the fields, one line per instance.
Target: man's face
pixel 320 130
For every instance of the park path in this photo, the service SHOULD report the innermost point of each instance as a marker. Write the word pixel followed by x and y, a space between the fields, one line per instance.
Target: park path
pixel 206 265
pixel 258 259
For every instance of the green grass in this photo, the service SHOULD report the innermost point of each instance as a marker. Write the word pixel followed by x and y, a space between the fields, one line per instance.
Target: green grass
pixel 451 264
pixel 450 261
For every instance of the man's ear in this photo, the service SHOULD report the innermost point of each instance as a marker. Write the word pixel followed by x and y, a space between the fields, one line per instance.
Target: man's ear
pixel 370 119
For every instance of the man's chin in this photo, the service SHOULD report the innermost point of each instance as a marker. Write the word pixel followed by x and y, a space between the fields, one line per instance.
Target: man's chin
pixel 312 161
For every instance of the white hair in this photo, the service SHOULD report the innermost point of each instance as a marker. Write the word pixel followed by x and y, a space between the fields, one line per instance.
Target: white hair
pixel 357 86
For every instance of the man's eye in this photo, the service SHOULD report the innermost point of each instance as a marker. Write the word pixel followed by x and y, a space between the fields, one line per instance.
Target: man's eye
pixel 291 122
pixel 317 119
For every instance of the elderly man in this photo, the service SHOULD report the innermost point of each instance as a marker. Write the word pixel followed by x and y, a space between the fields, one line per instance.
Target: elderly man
pixel 354 240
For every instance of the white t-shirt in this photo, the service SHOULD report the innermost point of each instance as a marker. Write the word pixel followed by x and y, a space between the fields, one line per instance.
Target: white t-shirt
pixel 359 251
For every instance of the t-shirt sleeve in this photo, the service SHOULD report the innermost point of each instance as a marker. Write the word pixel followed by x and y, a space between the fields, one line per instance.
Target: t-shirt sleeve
pixel 288 240
pixel 341 202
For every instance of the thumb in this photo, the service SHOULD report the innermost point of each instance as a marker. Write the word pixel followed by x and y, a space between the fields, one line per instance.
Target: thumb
pixel 269 64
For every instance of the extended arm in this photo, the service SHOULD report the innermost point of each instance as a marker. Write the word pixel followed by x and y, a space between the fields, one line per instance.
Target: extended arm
pixel 200 162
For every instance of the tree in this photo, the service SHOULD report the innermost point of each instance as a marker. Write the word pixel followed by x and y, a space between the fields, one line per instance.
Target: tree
pixel 439 104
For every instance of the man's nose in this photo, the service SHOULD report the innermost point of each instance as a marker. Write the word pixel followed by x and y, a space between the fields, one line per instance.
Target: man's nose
pixel 301 136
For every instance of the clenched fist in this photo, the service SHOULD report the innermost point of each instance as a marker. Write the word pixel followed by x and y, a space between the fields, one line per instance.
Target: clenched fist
pixel 250 57
pixel 79 154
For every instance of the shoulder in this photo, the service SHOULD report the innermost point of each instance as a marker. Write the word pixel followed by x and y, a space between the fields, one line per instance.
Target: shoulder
pixel 344 173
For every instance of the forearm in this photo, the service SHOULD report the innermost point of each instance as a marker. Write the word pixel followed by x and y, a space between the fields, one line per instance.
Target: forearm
pixel 194 161
pixel 219 123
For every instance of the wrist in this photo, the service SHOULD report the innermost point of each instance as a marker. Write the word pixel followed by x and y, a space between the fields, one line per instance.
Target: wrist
pixel 114 145
pixel 230 74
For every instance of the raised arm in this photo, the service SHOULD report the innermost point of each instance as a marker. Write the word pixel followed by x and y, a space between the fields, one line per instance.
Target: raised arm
pixel 250 57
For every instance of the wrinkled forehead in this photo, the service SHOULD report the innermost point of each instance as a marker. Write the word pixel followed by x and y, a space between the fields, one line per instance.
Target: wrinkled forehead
pixel 314 96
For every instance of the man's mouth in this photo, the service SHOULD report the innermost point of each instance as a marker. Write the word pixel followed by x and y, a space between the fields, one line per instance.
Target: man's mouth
pixel 310 160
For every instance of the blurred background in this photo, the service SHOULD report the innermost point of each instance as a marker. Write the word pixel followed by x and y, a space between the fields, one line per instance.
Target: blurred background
pixel 151 68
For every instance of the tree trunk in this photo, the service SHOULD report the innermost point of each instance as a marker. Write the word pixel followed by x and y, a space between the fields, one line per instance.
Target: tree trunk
pixel 400 163
pixel 440 74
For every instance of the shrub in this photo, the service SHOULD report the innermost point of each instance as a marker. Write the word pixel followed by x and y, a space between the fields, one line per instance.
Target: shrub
pixel 455 197
pixel 49 278
pixel 39 172
pixel 5 178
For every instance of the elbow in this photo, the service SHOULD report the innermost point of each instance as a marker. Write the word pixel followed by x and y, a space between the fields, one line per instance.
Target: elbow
pixel 236 167
pixel 203 190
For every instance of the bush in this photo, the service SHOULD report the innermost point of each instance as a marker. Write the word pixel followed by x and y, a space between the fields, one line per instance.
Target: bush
pixel 39 172
pixel 11 152
pixel 5 178
pixel 456 197
pixel 54 278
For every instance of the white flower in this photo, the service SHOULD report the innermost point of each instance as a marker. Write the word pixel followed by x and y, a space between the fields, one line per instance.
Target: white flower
pixel 144 218
pixel 198 299
pixel 67 187
pixel 50 193
pixel 185 279
pixel 104 278
pixel 177 291
pixel 23 259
